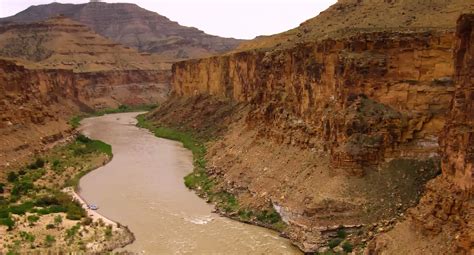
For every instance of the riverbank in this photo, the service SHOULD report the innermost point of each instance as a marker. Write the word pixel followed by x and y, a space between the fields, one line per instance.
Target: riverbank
pixel 142 187
pixel 226 203
pixel 38 209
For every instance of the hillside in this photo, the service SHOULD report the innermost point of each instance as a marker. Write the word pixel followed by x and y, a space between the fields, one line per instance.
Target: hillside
pixel 133 26
pixel 350 17
pixel 60 43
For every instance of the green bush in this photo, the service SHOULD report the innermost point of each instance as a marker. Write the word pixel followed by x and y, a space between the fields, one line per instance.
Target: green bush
pixel 341 233
pixel 32 219
pixel 347 247
pixel 22 208
pixel 71 233
pixel 12 177
pixel 2 186
pixel 39 163
pixel 9 222
pixel 49 240
pixel 22 187
pixel 108 231
pixel 83 139
pixel 29 237
pixel 50 226
pixel 58 220
pixel 334 242
pixel 269 216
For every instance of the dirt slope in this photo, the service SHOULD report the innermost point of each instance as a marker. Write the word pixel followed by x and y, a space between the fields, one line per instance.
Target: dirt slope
pixel 136 27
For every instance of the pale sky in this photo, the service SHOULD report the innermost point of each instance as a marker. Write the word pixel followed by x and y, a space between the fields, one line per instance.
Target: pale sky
pixel 242 19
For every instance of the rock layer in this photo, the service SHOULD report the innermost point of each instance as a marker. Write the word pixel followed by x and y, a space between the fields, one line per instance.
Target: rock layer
pixel 371 97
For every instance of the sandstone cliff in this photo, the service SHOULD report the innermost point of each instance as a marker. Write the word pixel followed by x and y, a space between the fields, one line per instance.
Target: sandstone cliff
pixel 339 133
pixel 136 27
pixel 361 99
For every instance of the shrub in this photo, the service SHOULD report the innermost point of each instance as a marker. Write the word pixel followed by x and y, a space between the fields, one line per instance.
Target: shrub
pixel 71 233
pixel 334 242
pixel 22 187
pixel 9 222
pixel 341 233
pixel 12 177
pixel 270 217
pixel 86 221
pixel 2 185
pixel 83 139
pixel 25 236
pixel 58 220
pixel 108 231
pixel 32 219
pixel 39 163
pixel 49 240
pixel 22 208
pixel 347 247
pixel 50 226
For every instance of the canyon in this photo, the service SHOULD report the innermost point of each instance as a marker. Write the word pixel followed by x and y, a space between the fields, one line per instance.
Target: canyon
pixel 341 133
pixel 355 128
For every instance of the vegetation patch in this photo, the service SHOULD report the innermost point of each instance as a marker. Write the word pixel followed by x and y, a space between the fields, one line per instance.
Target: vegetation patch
pixel 34 209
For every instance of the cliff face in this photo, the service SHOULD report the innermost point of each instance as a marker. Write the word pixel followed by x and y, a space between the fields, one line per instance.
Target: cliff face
pixel 444 214
pixel 363 99
pixel 136 27
pixel 32 103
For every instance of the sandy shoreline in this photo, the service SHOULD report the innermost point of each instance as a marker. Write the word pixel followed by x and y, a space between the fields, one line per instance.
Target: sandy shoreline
pixel 94 215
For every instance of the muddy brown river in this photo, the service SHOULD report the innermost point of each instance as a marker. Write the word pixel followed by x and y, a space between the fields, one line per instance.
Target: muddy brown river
pixel 142 187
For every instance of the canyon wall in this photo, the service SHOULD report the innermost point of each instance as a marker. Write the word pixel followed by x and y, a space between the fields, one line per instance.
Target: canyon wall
pixel 370 97
pixel 38 103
